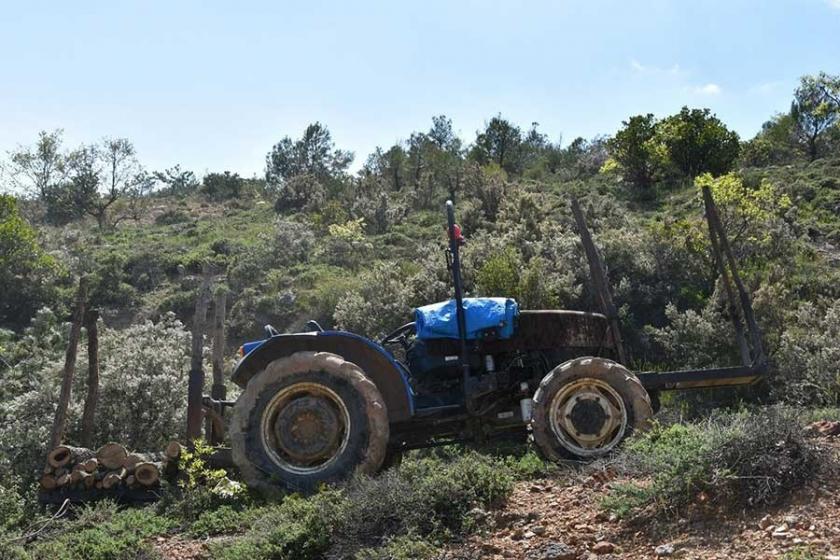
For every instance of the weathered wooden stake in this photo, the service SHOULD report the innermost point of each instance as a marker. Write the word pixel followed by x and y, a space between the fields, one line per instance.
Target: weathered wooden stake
pixel 746 305
pixel 734 312
pixel 195 385
pixel 60 421
pixel 92 398
pixel 599 280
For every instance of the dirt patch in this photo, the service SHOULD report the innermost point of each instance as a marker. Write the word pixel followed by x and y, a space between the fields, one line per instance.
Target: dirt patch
pixel 561 520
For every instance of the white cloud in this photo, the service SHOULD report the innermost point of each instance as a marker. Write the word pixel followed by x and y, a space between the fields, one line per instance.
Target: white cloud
pixel 674 70
pixel 834 4
pixel 708 89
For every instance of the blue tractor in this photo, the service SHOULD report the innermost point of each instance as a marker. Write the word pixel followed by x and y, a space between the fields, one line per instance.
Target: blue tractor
pixel 320 405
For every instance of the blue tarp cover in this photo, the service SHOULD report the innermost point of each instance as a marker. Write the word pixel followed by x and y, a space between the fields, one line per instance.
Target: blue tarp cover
pixel 439 320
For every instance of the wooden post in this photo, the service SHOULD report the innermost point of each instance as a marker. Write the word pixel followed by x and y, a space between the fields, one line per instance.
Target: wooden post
pixel 92 398
pixel 746 305
pixel 599 280
pixel 195 384
pixel 734 313
pixel 218 391
pixel 60 421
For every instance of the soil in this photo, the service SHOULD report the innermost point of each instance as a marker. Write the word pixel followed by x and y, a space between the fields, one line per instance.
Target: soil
pixel 560 519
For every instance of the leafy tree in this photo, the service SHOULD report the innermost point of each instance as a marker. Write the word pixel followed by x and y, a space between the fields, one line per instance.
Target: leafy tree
pixel 73 198
pixel 313 154
pixel 178 181
pixel 773 145
pixel 697 142
pixel 501 143
pixel 222 186
pixel 26 272
pixel 389 165
pixel 123 181
pixel 634 148
pixel 38 169
pixel 815 111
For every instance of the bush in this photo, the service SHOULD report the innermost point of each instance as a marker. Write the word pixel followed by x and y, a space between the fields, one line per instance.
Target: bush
pixel 301 192
pixel 381 304
pixel 808 356
pixel 394 515
pixel 143 384
pixel 737 460
pixel 101 532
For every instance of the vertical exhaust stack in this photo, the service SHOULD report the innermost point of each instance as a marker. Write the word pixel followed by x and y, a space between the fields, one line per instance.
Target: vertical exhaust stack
pixel 455 242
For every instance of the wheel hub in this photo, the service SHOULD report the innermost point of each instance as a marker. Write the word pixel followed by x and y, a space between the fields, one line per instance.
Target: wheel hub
pixel 588 416
pixel 308 429
pixel 305 427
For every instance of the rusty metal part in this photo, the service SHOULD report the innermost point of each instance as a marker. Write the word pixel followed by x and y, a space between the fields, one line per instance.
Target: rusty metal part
pixel 589 416
pixel 304 427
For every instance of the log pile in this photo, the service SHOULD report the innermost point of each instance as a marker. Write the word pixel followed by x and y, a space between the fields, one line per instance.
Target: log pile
pixel 82 474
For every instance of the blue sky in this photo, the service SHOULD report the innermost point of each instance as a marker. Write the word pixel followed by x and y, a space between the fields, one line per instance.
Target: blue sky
pixel 212 85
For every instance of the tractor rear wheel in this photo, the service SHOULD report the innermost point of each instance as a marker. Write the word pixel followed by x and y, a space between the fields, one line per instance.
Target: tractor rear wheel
pixel 308 418
pixel 585 407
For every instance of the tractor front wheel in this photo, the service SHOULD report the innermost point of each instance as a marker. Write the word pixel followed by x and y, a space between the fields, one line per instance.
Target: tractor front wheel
pixel 308 418
pixel 585 407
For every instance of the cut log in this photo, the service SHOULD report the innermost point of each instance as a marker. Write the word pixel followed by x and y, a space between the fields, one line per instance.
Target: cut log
pixel 76 476
pixel 173 450
pixel 47 482
pixel 90 465
pixel 62 480
pixel 88 479
pixel 61 472
pixel 64 455
pixel 98 485
pixel 133 459
pixel 113 478
pixel 147 474
pixel 111 455
pixel 130 481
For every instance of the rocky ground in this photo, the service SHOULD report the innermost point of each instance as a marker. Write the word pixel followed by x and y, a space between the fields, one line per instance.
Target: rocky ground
pixel 560 519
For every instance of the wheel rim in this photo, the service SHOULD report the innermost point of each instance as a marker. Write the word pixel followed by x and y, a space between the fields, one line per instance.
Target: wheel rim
pixel 305 428
pixel 588 416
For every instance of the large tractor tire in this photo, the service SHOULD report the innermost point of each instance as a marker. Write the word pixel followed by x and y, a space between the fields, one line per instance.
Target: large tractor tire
pixel 585 407
pixel 308 418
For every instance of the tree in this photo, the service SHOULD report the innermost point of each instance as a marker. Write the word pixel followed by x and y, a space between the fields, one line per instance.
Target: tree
pixel 697 142
pixel 389 165
pixel 634 148
pixel 35 170
pixel 73 198
pixel 25 270
pixel 313 154
pixel 501 143
pixel 815 111
pixel 774 144
pixel 222 186
pixel 122 179
pixel 177 180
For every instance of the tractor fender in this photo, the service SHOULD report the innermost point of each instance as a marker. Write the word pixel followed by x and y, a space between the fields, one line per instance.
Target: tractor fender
pixel 377 363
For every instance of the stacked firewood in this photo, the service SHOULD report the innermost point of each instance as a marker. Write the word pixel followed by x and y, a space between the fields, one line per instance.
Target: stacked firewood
pixel 110 468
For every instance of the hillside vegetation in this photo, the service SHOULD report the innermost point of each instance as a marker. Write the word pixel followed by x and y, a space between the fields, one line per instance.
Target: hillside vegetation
pixel 357 251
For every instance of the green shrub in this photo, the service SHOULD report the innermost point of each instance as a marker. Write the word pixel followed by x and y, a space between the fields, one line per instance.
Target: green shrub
pixel 406 547
pixel 225 520
pixel 743 459
pixel 296 529
pixel 102 533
